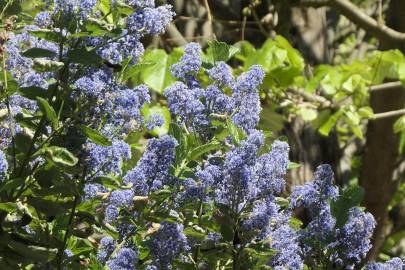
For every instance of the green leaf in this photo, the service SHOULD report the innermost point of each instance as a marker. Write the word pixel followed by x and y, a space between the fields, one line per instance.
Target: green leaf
pixel 35 253
pixel 281 62
pixel 203 149
pixel 82 56
pixel 366 112
pixel 271 120
pixel 33 92
pixel 307 114
pixel 38 53
pixel 94 136
pixel 96 28
pixel 220 51
pixel 47 35
pixel 48 111
pixel 236 133
pixel 330 123
pixel 246 49
pixel 8 207
pixel 11 184
pixel 295 223
pixel 195 232
pixel 350 197
pixel 399 125
pixel 227 232
pixel 293 165
pixel 136 69
pixel 60 155
pixel 43 65
pixel 158 76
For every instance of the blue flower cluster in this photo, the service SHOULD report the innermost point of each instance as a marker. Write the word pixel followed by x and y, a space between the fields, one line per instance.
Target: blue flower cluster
pixel 170 210
pixel 242 182
pixel 124 259
pixel 393 264
pixel 121 106
pixel 107 160
pixel 193 105
pixel 167 243
pixel 154 121
pixel 3 166
pixel 152 170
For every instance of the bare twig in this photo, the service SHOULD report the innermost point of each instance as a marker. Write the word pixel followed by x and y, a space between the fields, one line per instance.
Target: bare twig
pixel 360 18
pixel 259 23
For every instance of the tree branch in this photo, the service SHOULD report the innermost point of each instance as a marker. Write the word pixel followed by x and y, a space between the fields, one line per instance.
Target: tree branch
pixel 175 36
pixel 360 18
pixel 323 102
pixel 385 86
pixel 389 114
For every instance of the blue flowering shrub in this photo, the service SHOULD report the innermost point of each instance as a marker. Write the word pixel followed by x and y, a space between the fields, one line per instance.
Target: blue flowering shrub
pixel 81 187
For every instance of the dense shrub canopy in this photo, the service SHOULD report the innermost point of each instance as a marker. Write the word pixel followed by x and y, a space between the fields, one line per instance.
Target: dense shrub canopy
pixel 95 174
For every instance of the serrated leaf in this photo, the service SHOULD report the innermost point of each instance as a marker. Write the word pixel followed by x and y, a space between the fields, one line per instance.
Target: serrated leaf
pixel 38 53
pixel 95 136
pixel 48 111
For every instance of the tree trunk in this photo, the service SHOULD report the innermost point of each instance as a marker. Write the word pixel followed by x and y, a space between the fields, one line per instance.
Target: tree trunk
pixel 381 151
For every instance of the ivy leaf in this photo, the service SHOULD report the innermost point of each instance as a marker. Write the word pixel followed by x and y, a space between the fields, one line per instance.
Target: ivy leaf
pixel 136 69
pixel 219 51
pixel 94 136
pixel 158 76
pixel 38 53
pixel 61 155
pixel 85 57
pixel 48 111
